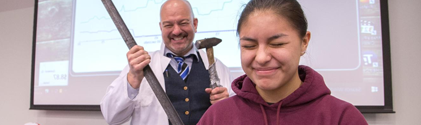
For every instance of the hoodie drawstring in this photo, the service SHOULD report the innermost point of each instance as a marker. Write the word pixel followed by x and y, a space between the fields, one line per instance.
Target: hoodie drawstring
pixel 264 114
pixel 277 114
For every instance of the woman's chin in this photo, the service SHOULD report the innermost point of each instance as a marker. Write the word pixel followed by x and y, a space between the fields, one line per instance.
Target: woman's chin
pixel 265 84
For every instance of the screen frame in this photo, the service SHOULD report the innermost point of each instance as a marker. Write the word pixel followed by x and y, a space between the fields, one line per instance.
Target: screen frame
pixel 387 71
pixel 387 65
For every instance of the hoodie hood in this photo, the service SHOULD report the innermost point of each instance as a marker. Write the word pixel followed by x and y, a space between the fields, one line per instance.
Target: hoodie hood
pixel 312 88
pixel 310 104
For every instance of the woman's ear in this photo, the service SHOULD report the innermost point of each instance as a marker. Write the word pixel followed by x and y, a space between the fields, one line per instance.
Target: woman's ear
pixel 304 44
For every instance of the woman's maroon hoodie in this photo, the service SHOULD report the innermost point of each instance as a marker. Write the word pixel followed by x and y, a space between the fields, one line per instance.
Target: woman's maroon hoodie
pixel 310 104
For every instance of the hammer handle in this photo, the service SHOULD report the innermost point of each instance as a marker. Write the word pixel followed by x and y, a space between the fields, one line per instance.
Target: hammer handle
pixel 209 52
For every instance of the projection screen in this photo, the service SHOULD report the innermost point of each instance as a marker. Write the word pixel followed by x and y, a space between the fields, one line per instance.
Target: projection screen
pixel 78 51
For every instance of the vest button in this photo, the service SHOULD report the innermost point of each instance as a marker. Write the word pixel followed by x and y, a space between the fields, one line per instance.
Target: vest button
pixel 187 99
pixel 187 112
pixel 185 87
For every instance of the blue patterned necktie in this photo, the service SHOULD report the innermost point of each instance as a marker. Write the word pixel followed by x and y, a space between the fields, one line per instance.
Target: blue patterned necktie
pixel 182 68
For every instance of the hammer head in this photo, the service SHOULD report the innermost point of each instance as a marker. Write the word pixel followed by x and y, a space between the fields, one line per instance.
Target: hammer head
pixel 207 42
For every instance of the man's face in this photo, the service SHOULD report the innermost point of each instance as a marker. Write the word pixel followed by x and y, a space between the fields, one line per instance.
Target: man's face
pixel 178 26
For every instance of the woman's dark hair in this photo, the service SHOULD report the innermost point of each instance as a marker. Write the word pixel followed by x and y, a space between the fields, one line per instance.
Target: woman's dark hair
pixel 290 9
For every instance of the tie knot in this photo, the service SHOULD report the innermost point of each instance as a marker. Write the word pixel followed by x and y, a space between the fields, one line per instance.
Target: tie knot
pixel 178 58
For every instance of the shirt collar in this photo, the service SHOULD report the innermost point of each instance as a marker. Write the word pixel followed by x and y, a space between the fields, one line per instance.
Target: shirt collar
pixel 192 51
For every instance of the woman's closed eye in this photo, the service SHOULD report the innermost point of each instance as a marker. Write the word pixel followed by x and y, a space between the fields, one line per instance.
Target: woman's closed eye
pixel 277 44
pixel 248 46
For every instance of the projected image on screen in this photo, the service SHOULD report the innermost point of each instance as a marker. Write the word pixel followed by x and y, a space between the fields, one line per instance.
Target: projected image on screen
pixel 95 34
pixel 79 51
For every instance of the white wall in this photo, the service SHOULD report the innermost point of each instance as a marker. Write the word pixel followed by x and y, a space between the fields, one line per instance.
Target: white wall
pixel 16 25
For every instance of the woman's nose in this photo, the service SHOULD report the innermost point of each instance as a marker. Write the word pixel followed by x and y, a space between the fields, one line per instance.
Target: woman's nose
pixel 262 55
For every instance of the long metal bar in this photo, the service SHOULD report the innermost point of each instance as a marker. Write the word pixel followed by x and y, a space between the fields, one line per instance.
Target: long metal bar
pixel 149 75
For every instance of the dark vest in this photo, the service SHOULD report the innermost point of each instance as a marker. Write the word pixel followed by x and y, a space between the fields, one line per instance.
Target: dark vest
pixel 189 97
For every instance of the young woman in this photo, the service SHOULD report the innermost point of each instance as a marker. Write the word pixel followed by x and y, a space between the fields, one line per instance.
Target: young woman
pixel 276 90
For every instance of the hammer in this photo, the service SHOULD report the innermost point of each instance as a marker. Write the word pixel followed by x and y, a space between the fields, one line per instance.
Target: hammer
pixel 208 43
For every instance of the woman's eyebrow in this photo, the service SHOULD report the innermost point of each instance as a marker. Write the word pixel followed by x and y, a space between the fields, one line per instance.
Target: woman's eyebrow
pixel 276 36
pixel 269 39
pixel 248 39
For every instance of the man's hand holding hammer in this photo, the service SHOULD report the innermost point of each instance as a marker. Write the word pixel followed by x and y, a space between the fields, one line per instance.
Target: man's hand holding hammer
pixel 217 92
